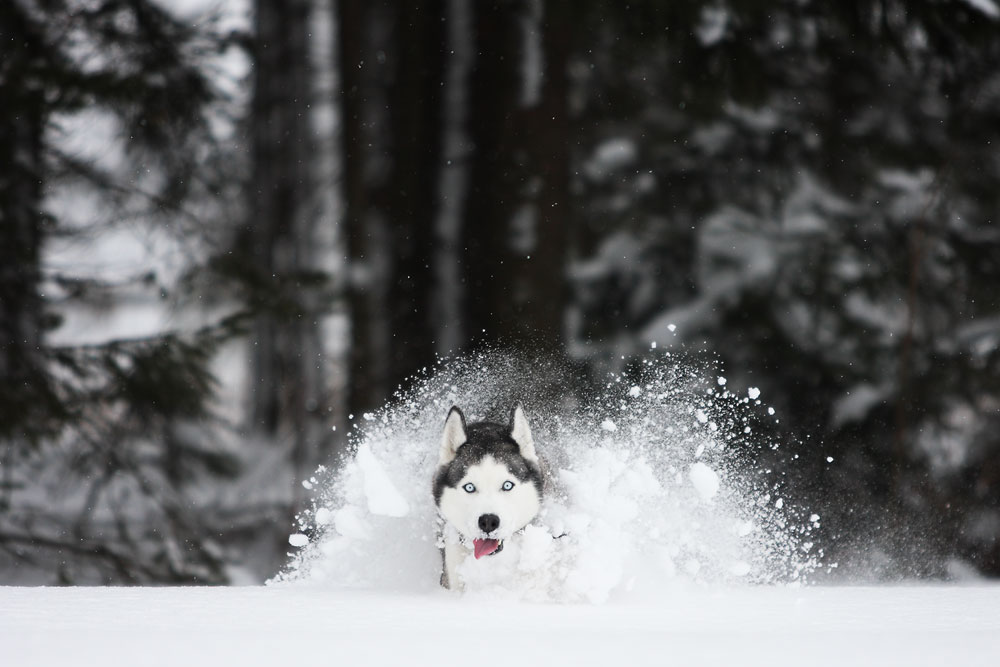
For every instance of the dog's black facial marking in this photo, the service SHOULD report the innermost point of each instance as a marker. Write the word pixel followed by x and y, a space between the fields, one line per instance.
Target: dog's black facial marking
pixel 486 439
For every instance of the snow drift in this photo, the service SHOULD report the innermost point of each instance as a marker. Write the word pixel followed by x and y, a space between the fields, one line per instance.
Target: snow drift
pixel 650 487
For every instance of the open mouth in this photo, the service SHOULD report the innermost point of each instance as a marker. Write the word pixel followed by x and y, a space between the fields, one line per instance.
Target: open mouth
pixel 486 547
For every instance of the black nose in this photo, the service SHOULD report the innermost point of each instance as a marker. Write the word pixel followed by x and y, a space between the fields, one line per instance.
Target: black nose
pixel 489 522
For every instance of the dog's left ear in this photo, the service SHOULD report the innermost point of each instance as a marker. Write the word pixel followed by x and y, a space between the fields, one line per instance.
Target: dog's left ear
pixel 520 432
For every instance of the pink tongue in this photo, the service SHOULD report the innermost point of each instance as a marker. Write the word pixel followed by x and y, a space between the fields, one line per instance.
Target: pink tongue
pixel 485 547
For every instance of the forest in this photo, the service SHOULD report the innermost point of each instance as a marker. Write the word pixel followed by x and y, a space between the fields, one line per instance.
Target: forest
pixel 230 228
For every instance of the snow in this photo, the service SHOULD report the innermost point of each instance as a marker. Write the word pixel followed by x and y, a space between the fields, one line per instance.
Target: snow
pixel 533 63
pixel 705 480
pixel 712 27
pixel 323 516
pixel 740 253
pixel 856 404
pixel 382 495
pixel 645 492
pixel 609 157
pixel 730 260
pixel 748 626
pixel 987 7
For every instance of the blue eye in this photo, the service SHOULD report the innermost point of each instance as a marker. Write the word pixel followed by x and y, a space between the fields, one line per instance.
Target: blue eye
pixel 470 488
pixel 508 485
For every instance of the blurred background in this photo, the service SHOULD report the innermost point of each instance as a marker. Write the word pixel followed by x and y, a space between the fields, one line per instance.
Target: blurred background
pixel 231 228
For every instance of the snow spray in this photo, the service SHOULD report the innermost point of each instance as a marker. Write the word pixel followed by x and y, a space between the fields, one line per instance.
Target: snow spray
pixel 650 486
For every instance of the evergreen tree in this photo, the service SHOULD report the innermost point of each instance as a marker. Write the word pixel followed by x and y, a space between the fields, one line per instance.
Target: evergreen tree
pixel 800 188
pixel 110 420
pixel 25 394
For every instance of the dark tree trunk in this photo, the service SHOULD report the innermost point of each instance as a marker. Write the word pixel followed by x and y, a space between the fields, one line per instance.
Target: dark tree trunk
pixel 288 396
pixel 543 276
pixel 495 181
pixel 392 63
pixel 22 121
pixel 20 236
pixel 416 112
pixel 367 237
pixel 516 217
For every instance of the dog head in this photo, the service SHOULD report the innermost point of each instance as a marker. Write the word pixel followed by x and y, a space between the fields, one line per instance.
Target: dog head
pixel 488 483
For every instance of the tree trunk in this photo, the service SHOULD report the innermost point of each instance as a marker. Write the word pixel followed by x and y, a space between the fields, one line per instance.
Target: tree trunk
pixel 288 396
pixel 495 182
pixel 544 274
pixel 22 119
pixel 368 249
pixel 392 65
pixel 516 216
pixel 416 112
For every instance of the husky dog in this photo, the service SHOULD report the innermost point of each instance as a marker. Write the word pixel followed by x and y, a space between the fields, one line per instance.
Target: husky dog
pixel 488 486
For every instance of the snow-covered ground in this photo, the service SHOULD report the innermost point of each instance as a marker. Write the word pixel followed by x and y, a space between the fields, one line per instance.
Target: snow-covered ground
pixel 293 625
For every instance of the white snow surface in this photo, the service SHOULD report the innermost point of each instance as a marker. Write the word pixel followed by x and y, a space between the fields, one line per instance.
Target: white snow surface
pixel 292 625
pixel 647 490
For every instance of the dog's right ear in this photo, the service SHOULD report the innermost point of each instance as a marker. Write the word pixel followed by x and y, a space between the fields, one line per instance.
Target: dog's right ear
pixel 454 436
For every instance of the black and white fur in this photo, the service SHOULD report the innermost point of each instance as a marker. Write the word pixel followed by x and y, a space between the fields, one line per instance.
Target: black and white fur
pixel 488 486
